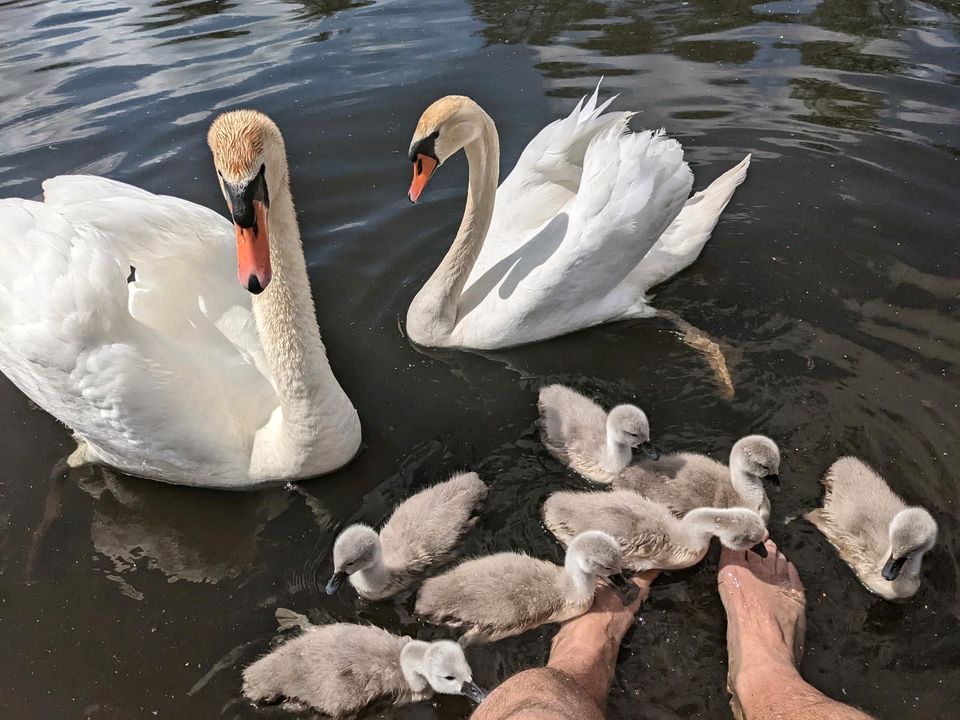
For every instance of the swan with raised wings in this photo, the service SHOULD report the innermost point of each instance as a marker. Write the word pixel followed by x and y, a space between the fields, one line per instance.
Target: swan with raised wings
pixel 181 374
pixel 592 217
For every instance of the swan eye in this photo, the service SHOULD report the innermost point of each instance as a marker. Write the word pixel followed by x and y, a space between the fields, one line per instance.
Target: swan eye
pixel 449 677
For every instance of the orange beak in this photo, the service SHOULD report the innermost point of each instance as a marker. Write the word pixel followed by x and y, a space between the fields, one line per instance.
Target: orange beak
pixel 253 252
pixel 423 168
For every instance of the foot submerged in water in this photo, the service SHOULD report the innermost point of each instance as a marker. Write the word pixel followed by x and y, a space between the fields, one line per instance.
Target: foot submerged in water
pixel 765 604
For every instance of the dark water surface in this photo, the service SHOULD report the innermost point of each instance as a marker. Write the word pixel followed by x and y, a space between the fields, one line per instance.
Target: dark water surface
pixel 831 283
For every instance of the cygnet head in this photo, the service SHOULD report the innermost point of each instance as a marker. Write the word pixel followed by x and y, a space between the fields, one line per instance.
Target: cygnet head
pixel 357 548
pixel 597 554
pixel 628 425
pixel 912 533
pixel 741 529
pixel 758 456
pixel 446 669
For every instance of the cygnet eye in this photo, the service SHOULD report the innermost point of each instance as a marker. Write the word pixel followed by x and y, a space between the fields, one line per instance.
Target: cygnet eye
pixel 449 677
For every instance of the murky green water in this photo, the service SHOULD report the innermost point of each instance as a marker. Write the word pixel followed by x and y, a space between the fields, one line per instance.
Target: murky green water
pixel 832 284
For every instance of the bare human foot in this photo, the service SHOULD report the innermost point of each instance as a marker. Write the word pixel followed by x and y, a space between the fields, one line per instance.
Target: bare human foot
pixel 765 606
pixel 586 647
pixel 575 683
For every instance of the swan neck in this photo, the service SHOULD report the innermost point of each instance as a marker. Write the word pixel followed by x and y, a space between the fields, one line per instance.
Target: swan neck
pixel 373 579
pixel 411 664
pixel 580 583
pixel 311 400
pixel 697 527
pixel 750 489
pixel 616 455
pixel 433 314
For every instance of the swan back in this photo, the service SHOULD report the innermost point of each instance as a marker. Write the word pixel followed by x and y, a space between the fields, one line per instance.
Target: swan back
pixel 593 443
pixel 336 669
pixel 644 529
pixel 680 481
pixel 496 595
pixel 508 593
pixel 422 531
pixel 686 481
pixel 426 528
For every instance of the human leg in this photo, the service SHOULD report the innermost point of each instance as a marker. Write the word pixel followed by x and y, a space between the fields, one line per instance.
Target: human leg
pixel 765 605
pixel 575 683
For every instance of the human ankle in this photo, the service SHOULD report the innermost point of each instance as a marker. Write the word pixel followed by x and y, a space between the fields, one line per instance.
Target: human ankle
pixel 758 672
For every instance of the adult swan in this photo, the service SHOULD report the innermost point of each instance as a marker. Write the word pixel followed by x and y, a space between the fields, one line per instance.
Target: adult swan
pixel 179 375
pixel 592 216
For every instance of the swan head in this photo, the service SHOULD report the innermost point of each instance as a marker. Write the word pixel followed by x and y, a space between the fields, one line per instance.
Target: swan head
pixel 448 671
pixel 444 128
pixel 251 162
pixel 596 554
pixel 740 529
pixel 357 548
pixel 628 425
pixel 757 456
pixel 440 664
pixel 913 532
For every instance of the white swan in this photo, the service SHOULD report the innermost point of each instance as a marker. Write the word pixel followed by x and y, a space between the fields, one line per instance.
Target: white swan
pixel 592 217
pixel 179 375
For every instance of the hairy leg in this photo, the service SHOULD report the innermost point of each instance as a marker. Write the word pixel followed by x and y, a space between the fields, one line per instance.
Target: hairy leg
pixel 538 694
pixel 576 681
pixel 765 605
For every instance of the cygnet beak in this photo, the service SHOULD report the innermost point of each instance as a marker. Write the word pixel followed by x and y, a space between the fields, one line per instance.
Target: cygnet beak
pixel 650 450
pixel 473 691
pixel 335 582
pixel 891 569
pixel 625 589
pixel 773 480
pixel 760 549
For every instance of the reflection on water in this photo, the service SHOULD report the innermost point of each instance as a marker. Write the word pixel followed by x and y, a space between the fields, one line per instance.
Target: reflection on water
pixel 831 285
pixel 139 524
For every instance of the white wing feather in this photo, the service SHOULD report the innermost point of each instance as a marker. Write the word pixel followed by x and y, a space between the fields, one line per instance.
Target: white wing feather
pixel 592 216
pixel 145 373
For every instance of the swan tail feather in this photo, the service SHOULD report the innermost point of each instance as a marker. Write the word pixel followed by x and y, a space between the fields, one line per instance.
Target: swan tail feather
pixel 684 239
